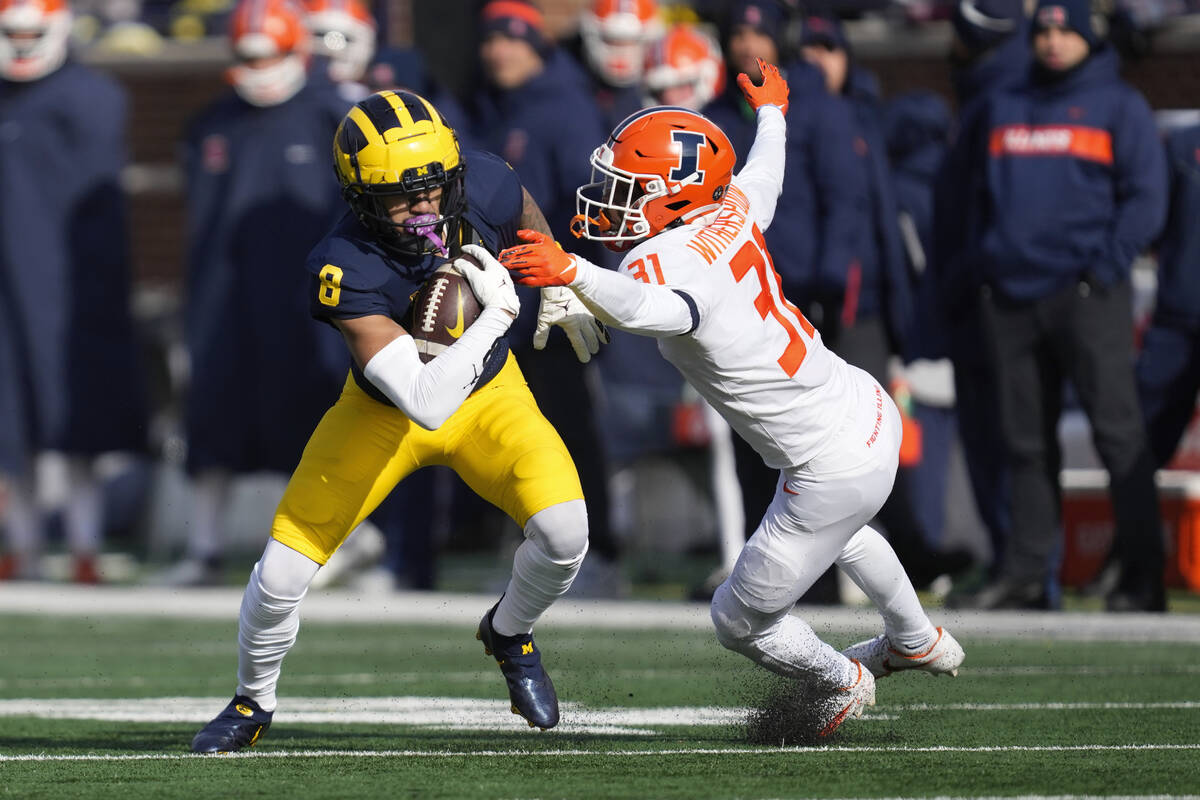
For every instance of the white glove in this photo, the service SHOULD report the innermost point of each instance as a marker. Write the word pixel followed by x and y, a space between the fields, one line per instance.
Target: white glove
pixel 561 307
pixel 491 285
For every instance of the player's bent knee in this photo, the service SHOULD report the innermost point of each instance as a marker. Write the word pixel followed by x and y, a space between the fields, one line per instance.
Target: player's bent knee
pixel 733 619
pixel 561 530
pixel 284 573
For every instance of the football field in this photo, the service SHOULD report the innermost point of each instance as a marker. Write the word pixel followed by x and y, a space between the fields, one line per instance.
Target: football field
pixel 102 689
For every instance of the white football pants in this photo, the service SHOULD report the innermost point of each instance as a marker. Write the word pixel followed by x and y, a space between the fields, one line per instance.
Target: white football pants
pixel 819 517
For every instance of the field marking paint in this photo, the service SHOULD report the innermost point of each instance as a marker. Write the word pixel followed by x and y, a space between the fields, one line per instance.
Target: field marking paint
pixel 314 679
pixel 444 713
pixel 459 713
pixel 682 751
pixel 28 597
pixel 1181 705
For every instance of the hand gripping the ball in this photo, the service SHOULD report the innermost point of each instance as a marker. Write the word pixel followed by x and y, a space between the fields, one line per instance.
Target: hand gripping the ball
pixel 491 284
pixel 540 262
pixel 772 92
pixel 561 307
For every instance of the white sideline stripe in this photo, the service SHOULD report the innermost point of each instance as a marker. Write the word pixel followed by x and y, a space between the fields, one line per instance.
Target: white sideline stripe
pixel 1181 705
pixel 471 676
pixel 459 713
pixel 464 676
pixel 18 597
pixel 684 751
pixel 454 713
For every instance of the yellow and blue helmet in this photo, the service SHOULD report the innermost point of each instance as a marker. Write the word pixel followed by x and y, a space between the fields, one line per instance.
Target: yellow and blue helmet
pixel 396 142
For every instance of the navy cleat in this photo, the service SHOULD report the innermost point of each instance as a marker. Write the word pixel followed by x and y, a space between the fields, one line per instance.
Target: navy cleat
pixel 239 726
pixel 529 687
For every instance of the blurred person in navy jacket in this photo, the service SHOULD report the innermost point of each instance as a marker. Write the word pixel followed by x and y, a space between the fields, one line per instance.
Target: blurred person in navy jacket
pixel 1168 368
pixel 990 54
pixel 876 307
pixel 917 130
pixel 614 36
pixel 535 110
pixel 70 366
pixel 874 310
pixel 260 194
pixel 823 199
pixel 1074 185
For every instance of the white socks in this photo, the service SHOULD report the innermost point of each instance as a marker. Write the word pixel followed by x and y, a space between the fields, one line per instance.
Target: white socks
pixel 872 564
pixel 270 619
pixel 544 566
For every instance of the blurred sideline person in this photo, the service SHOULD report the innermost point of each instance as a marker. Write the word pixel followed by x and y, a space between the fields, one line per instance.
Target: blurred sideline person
pixel 990 53
pixel 876 319
pixel 71 383
pixel 534 111
pixel 823 200
pixel 416 201
pixel 614 37
pixel 697 276
pixel 1074 182
pixel 260 195
pixel 343 42
pixel 684 68
pixel 917 127
pixel 1168 367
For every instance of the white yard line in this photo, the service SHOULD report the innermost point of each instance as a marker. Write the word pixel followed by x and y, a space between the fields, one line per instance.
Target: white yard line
pixel 684 751
pixel 440 608
pixel 460 713
pixel 471 676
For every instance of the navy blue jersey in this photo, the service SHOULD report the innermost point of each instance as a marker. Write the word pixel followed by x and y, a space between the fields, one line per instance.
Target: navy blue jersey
pixel 352 275
pixel 64 272
pixel 260 194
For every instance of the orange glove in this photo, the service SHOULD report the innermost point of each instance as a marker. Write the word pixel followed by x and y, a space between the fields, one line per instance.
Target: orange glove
pixel 773 92
pixel 541 262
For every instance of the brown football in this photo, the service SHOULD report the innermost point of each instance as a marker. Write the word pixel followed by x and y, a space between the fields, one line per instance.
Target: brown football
pixel 443 308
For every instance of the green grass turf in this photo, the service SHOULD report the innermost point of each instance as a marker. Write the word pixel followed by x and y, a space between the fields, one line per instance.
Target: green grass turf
pixel 880 756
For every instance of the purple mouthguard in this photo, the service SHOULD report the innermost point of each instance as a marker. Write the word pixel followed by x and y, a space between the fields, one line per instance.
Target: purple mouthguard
pixel 425 225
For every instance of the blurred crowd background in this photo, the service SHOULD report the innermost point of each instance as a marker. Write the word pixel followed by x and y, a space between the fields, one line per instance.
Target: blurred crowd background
pixel 164 169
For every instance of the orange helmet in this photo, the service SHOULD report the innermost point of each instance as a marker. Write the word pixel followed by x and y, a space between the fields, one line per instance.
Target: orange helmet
pixel 615 34
pixel 265 29
pixel 684 68
pixel 34 36
pixel 661 167
pixel 344 32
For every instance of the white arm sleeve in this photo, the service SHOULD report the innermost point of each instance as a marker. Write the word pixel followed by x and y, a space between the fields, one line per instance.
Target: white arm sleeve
pixel 762 176
pixel 430 393
pixel 631 305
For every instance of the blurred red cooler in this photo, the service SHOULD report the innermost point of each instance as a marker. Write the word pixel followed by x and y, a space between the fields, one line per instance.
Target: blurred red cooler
pixel 1088 525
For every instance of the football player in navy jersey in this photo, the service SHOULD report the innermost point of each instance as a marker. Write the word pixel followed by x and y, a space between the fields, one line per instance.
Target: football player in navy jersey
pixel 417 200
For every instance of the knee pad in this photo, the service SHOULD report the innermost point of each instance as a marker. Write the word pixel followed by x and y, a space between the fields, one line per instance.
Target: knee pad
pixel 561 531
pixel 736 623
pixel 282 574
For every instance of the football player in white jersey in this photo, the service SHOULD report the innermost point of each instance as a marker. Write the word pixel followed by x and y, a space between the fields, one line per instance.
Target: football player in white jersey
pixel 698 277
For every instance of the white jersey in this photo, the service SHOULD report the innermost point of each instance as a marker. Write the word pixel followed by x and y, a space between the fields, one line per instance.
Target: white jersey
pixel 752 354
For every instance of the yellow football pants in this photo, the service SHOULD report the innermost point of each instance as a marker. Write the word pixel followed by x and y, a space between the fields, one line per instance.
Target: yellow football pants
pixel 497 441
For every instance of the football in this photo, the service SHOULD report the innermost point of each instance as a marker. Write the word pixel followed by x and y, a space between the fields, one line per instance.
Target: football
pixel 442 309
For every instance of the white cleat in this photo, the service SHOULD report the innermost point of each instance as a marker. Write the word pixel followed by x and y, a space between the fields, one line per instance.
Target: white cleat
pixel 849 701
pixel 943 657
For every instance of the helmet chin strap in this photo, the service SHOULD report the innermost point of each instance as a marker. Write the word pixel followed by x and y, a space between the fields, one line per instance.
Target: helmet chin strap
pixel 424 225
